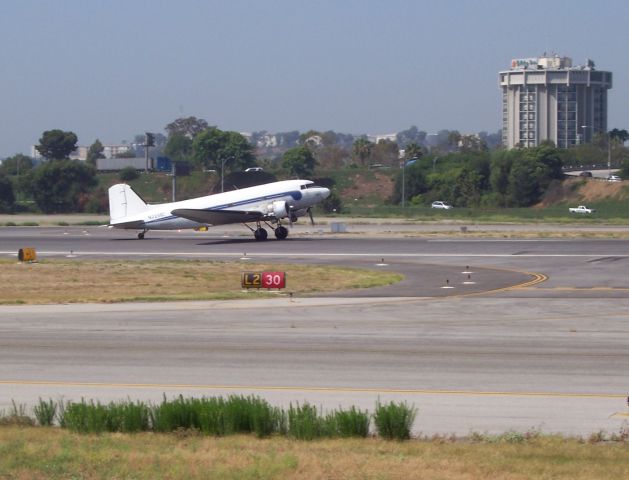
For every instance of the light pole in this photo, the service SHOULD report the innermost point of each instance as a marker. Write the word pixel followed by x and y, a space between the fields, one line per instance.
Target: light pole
pixel 609 154
pixel 583 127
pixel 434 163
pixel 223 160
pixel 404 184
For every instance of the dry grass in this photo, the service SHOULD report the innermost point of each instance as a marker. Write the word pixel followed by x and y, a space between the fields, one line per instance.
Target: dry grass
pixel 71 281
pixel 53 453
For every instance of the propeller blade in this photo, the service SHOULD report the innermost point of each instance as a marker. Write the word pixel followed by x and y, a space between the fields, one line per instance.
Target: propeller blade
pixel 290 215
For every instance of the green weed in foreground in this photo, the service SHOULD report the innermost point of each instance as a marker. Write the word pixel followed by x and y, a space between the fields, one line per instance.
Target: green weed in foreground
pixel 394 420
pixel 45 412
pixel 352 422
pixel 216 416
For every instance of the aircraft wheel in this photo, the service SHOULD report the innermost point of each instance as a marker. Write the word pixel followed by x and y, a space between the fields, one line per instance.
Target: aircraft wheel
pixel 260 234
pixel 281 233
pixel 141 236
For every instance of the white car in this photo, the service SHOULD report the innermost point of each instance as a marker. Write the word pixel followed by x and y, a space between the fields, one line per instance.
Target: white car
pixel 441 205
pixel 613 178
pixel 580 209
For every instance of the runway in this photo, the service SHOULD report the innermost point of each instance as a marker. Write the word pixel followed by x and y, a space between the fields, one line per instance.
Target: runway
pixel 541 343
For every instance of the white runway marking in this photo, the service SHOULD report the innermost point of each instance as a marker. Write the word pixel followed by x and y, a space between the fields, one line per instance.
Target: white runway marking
pixel 311 254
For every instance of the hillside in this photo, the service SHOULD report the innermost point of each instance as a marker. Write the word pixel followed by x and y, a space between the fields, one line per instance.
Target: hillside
pixel 584 191
pixel 370 188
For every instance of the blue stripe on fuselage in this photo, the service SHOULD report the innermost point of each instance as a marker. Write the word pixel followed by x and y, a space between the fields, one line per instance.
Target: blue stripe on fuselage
pixel 295 194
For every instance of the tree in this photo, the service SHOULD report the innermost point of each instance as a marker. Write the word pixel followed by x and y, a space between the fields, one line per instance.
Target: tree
pixel 454 139
pixel 56 144
pixel 188 126
pixel 179 147
pixel 332 156
pixel 620 136
pixel 385 152
pixel 95 152
pixel 414 183
pixel 16 164
pixel 312 138
pixel 624 170
pixel 299 161
pixel 7 197
pixel 332 204
pixel 411 135
pixel 413 150
pixel 526 180
pixel 59 187
pixel 213 147
pixel 361 150
pixel 500 168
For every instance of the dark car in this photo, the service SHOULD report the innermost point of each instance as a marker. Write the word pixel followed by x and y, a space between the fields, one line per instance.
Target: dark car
pixel 585 174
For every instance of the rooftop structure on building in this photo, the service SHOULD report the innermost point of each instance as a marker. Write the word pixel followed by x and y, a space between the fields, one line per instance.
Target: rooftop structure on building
pixel 549 98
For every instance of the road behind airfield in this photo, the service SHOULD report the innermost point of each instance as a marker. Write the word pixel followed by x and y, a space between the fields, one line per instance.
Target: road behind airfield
pixel 549 355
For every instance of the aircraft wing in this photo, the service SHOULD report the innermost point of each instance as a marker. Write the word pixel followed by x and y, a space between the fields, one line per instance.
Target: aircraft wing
pixel 217 217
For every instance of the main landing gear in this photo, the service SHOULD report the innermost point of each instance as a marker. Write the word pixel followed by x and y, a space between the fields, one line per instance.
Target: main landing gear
pixel 141 234
pixel 260 234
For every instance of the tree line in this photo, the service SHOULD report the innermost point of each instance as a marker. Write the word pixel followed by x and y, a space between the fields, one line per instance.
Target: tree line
pixel 500 178
pixel 461 169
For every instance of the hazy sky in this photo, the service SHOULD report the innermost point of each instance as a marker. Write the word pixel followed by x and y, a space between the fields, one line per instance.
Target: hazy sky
pixel 113 69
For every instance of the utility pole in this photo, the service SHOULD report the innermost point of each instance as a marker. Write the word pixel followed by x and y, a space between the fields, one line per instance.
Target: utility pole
pixel 149 141
pixel 404 183
pixel 609 154
pixel 174 173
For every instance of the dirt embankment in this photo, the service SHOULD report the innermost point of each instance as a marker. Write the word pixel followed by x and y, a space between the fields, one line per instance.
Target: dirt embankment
pixel 579 190
pixel 373 189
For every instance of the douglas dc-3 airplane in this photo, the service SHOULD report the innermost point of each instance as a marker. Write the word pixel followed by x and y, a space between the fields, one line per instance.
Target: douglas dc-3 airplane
pixel 268 204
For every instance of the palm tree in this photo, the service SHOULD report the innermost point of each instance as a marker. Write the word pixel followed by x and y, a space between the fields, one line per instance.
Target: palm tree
pixel 413 150
pixel 362 150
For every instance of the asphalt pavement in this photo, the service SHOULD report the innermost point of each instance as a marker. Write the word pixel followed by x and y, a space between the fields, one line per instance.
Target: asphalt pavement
pixel 539 343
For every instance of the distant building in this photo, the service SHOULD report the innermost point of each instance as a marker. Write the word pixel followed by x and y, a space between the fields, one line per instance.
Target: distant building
pixel 387 137
pixel 109 151
pixel 547 98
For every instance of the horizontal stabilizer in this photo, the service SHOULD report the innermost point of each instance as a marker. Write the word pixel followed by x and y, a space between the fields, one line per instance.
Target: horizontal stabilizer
pixel 217 217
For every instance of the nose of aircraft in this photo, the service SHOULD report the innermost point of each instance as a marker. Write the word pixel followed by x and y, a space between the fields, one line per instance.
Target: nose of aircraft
pixel 326 192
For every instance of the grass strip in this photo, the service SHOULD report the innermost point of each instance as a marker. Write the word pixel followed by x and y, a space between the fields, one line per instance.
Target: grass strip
pixel 76 281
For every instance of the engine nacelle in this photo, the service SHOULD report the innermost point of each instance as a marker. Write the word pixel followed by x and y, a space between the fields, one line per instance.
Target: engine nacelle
pixel 278 209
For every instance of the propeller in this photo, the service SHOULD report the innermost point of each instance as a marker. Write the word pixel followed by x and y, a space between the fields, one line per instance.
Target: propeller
pixel 289 210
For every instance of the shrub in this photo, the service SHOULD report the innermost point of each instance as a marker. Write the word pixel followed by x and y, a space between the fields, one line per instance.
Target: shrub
pixel 128 173
pixel 45 412
pixel 85 417
pixel 127 417
pixel 17 416
pixel 351 423
pixel 303 422
pixel 394 421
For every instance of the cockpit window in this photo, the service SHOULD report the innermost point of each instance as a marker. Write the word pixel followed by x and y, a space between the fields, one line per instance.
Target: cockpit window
pixel 310 185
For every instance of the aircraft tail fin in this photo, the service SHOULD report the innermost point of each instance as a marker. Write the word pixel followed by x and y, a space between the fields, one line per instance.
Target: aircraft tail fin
pixel 124 202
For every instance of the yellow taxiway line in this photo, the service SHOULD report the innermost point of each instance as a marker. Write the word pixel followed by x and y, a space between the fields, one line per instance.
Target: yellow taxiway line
pixel 471 393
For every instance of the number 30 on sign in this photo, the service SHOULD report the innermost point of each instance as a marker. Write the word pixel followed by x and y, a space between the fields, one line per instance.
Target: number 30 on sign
pixel 273 280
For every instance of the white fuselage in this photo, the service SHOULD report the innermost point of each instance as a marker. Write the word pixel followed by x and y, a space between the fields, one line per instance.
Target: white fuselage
pixel 299 194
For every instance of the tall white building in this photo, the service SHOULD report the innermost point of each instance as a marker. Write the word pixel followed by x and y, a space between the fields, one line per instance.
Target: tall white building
pixel 547 98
